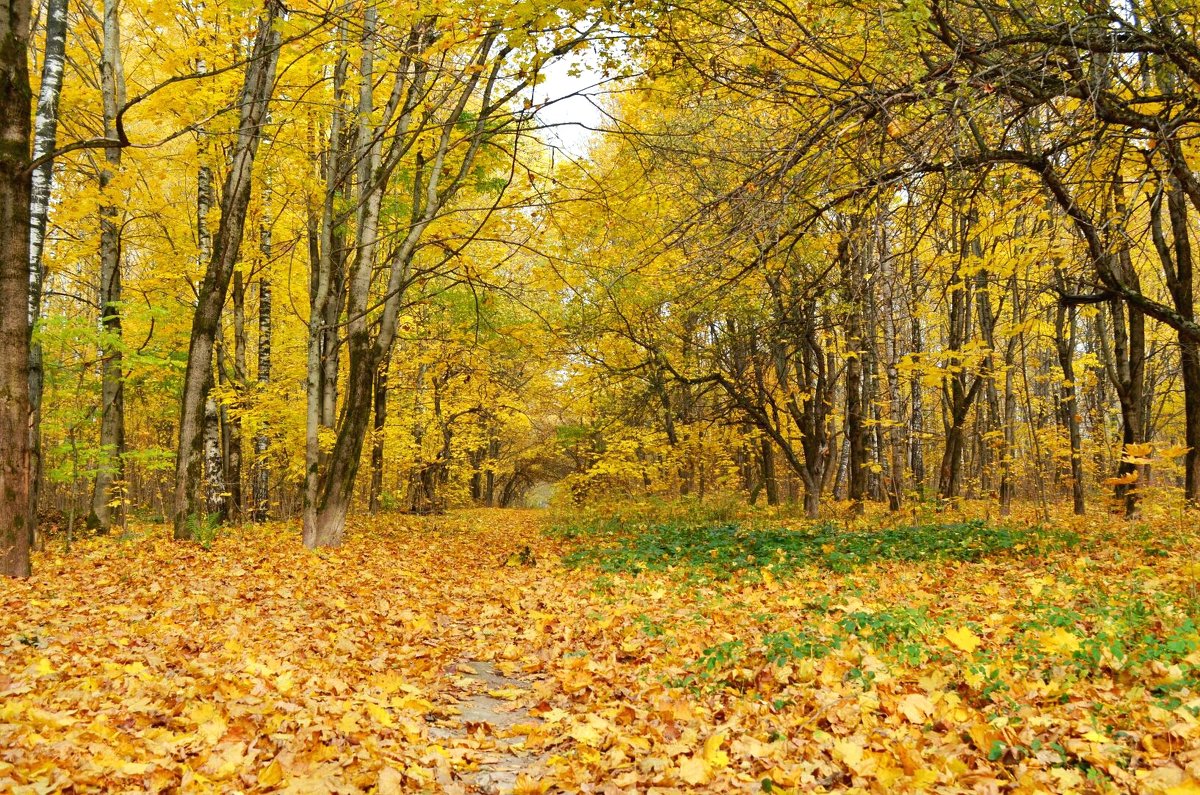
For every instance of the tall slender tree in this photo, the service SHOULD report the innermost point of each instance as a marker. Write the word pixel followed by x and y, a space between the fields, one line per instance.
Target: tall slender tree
pixel 106 496
pixel 16 106
pixel 254 101
pixel 45 139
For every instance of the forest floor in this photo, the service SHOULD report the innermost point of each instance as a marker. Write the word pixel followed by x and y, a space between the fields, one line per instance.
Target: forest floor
pixel 482 652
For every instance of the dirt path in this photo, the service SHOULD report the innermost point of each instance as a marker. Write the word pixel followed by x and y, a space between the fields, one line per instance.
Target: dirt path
pixel 492 723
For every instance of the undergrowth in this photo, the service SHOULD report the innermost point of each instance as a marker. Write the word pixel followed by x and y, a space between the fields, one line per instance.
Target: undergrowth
pixel 726 550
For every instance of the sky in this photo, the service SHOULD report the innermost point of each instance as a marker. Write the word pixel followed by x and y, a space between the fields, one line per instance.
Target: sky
pixel 572 104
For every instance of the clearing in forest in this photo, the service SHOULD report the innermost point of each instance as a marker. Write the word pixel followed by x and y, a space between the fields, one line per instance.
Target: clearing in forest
pixel 496 650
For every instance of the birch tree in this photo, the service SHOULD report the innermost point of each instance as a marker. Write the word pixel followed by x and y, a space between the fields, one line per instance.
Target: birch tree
pixel 44 141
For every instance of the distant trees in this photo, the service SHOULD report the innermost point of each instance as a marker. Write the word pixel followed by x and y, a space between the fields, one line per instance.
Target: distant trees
pixel 394 138
pixel 1028 172
pixel 929 250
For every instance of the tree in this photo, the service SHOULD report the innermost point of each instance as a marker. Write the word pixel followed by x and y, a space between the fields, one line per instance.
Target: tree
pixel 16 98
pixel 44 142
pixel 235 198
pixel 106 495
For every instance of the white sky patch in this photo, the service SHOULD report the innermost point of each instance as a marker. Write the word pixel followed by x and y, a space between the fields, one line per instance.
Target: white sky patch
pixel 572 103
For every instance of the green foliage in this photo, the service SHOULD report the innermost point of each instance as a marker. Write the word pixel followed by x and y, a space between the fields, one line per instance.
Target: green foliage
pixel 726 550
pixel 787 645
pixel 204 528
pixel 1131 634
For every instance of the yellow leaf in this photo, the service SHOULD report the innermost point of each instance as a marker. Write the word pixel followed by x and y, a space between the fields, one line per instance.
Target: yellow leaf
pixel 916 707
pixel 527 785
pixel 1124 480
pixel 285 682
pixel 391 782
pixel 209 725
pixel 1060 641
pixel 348 723
pixel 507 693
pixel 692 770
pixel 586 734
pixel 1174 451
pixel 380 715
pixel 850 753
pixel 963 638
pixel 271 775
pixel 924 778
pixel 713 755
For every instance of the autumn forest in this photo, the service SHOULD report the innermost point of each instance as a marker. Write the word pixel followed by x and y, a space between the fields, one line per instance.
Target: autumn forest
pixel 599 396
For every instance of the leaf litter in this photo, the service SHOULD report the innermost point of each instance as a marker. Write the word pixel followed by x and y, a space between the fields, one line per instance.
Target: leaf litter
pixel 419 658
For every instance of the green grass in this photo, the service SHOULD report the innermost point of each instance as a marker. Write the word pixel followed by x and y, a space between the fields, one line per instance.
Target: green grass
pixel 727 550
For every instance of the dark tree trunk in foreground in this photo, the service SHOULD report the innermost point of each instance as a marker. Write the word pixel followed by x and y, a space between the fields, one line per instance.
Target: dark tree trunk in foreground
pixel 1176 258
pixel 16 100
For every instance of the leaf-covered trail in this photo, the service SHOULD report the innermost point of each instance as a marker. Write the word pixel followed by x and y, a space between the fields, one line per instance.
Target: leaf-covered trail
pixel 414 659
pixel 144 663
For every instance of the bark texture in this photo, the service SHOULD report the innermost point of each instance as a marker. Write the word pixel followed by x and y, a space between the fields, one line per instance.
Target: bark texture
pixel 235 199
pixel 16 101
pixel 45 138
pixel 106 497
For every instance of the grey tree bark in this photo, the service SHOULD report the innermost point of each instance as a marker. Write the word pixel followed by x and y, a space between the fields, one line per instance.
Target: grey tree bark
pixel 106 496
pixel 231 423
pixel 1064 343
pixel 235 199
pixel 262 469
pixel 856 435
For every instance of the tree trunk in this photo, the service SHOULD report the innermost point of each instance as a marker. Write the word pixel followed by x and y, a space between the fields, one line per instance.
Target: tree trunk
pixel 916 454
pixel 16 99
pixel 1179 283
pixel 418 414
pixel 1129 353
pixel 233 424
pixel 214 475
pixel 1064 342
pixel 235 198
pixel 106 499
pixel 770 480
pixel 856 435
pixel 327 251
pixel 489 479
pixel 44 142
pixel 958 397
pixel 262 469
pixel 326 525
pixel 377 438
